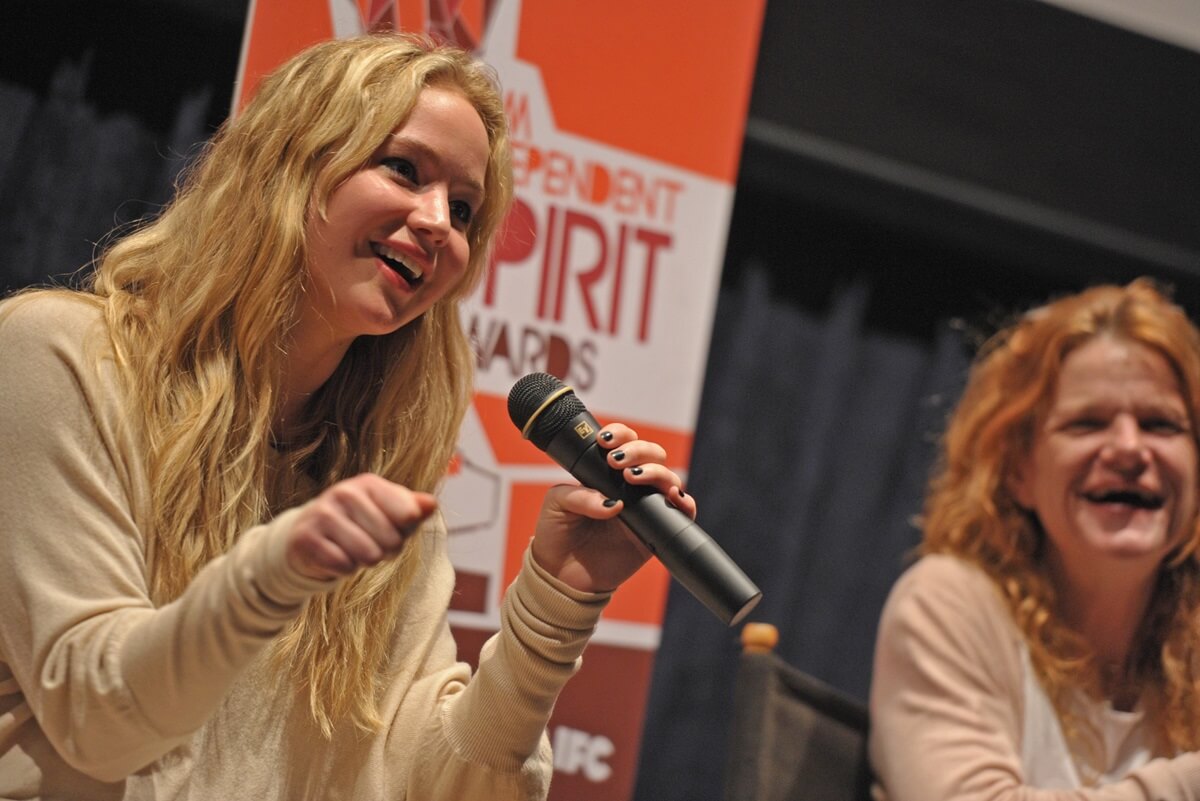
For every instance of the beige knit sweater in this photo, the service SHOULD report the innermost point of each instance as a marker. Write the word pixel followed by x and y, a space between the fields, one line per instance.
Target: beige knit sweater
pixel 103 696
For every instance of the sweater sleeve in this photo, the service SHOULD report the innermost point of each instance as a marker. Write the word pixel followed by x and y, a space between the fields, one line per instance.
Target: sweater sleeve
pixel 947 700
pixel 112 681
pixel 488 739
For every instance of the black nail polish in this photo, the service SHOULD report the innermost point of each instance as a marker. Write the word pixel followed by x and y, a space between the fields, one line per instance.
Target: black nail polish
pixel 618 455
pixel 606 436
pixel 637 471
pixel 609 503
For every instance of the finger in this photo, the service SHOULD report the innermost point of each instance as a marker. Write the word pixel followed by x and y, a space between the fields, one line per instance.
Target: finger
pixel 636 452
pixel 682 501
pixel 582 501
pixel 664 480
pixel 614 435
pixel 660 477
pixel 404 509
pixel 333 525
pixel 323 558
pixel 354 500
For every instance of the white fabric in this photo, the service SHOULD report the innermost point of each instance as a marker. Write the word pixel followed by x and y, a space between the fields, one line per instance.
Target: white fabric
pixel 1045 755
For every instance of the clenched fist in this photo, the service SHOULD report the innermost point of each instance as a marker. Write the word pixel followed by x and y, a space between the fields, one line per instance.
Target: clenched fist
pixel 355 523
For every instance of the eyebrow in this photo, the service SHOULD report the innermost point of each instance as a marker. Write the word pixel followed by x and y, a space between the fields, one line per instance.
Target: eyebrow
pixel 428 153
pixel 1156 406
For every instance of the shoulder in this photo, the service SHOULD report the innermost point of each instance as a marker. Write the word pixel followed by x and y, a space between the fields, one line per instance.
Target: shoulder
pixel 55 345
pixel 39 320
pixel 945 575
pixel 946 590
pixel 947 628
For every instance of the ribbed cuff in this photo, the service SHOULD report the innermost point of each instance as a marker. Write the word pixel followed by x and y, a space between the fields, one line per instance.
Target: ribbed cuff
pixel 263 564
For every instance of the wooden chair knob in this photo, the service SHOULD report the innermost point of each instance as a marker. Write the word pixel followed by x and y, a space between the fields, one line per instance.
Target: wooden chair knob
pixel 759 637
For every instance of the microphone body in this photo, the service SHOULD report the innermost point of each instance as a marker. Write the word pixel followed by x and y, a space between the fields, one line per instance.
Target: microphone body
pixel 555 420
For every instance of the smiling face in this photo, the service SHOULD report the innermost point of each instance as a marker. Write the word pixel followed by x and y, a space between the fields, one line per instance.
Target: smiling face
pixel 1113 468
pixel 393 239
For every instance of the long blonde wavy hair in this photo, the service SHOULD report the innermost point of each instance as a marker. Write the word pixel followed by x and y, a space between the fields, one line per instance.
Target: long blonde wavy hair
pixel 971 513
pixel 200 303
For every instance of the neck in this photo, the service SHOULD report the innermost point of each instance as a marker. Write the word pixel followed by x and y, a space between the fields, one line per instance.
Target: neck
pixel 311 359
pixel 1107 610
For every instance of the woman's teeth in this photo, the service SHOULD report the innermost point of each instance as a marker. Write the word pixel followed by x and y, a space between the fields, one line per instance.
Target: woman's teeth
pixel 398 263
pixel 1128 498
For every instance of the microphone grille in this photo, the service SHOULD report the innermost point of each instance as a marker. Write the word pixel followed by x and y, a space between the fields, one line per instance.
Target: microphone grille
pixel 526 398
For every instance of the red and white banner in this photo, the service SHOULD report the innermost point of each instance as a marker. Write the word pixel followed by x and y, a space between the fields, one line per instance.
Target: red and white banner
pixel 627 119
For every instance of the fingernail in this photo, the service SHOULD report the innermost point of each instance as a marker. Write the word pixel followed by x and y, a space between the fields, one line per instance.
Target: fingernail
pixel 609 503
pixel 618 455
pixel 606 436
pixel 682 494
pixel 637 471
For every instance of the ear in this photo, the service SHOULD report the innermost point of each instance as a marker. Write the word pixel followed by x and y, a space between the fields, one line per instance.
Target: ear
pixel 1019 485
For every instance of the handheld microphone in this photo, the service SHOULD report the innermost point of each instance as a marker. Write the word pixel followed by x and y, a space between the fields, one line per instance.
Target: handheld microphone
pixel 550 416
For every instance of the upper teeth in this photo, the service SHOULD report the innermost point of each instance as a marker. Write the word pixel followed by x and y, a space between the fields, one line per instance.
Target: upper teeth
pixel 1129 496
pixel 387 252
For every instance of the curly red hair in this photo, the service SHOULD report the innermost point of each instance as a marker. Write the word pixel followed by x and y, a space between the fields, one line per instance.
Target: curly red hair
pixel 970 512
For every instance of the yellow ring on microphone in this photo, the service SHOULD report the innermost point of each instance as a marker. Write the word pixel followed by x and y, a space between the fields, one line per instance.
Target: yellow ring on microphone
pixel 555 395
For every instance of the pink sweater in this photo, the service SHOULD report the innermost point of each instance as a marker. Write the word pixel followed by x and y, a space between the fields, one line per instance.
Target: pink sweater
pixel 948 702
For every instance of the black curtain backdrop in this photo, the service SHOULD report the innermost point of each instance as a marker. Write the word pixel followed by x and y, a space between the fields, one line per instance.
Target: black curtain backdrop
pixel 69 175
pixel 912 176
pixel 838 349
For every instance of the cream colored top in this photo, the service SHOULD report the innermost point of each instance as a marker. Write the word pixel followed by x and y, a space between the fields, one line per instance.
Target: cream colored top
pixel 951 712
pixel 104 696
pixel 1046 757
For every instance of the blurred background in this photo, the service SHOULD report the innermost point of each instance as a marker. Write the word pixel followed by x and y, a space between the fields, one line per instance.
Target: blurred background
pixel 913 174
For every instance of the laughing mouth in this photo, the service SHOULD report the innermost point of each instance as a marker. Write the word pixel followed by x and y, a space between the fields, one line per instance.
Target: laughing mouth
pixel 411 274
pixel 1132 498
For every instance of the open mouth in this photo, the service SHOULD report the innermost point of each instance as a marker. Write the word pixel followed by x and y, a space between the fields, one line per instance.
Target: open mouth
pixel 412 275
pixel 1131 498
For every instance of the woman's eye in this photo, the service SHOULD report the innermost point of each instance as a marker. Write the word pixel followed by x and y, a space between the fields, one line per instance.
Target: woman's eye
pixel 461 211
pixel 402 167
pixel 1162 425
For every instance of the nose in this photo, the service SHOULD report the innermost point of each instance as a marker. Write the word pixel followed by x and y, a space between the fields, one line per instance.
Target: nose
pixel 1125 449
pixel 430 216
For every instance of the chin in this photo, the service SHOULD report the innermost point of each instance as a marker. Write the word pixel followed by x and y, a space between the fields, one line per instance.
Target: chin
pixel 386 321
pixel 1135 546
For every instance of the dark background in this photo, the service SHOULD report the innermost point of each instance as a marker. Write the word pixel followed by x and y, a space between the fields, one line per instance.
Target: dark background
pixel 912 174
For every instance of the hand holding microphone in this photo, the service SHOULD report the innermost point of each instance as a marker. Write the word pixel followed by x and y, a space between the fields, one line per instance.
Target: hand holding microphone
pixel 556 421
pixel 579 537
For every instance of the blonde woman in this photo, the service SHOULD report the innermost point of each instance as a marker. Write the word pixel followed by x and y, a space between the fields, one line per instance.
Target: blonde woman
pixel 222 569
pixel 1046 644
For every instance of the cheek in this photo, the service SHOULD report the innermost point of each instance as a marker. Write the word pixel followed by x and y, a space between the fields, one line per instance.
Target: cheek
pixel 320 258
pixel 1073 462
pixel 1186 478
pixel 462 250
pixel 1190 481
pixel 1185 464
pixel 459 253
pixel 355 201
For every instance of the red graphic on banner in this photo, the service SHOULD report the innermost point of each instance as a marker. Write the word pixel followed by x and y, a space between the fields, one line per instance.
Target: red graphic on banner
pixel 278 30
pixel 666 79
